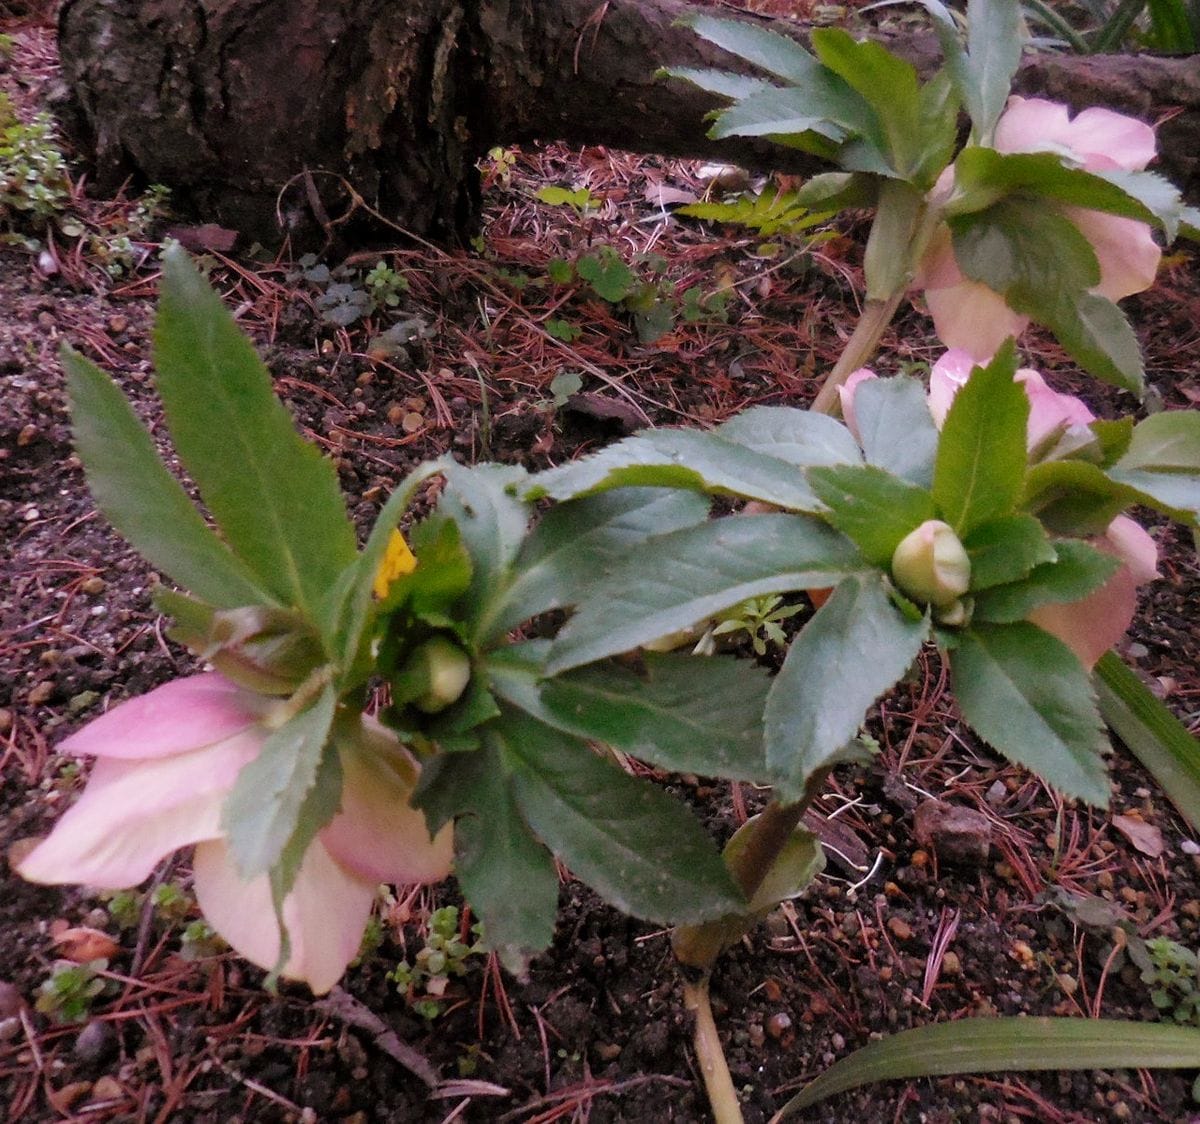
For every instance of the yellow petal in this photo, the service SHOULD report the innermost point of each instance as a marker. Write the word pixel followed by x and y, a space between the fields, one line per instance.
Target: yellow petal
pixel 397 561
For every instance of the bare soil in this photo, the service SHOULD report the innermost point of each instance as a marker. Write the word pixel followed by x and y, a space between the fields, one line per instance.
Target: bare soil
pixel 893 936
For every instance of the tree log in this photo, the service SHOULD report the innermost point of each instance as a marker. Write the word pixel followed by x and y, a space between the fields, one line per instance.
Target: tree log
pixel 285 116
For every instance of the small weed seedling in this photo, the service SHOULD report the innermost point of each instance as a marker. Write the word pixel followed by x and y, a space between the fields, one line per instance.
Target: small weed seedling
pixel 67 995
pixel 425 980
pixel 1173 977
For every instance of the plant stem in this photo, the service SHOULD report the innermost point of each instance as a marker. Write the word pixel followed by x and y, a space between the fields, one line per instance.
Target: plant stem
pixel 718 1083
pixel 860 349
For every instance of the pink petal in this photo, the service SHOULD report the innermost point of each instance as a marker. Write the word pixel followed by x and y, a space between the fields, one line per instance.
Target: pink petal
pixel 1093 625
pixel 1111 140
pixel 1049 411
pixel 378 835
pixel 1125 249
pixel 972 317
pixel 948 376
pixel 846 394
pixel 1130 542
pixel 182 715
pixel 134 813
pixel 938 268
pixel 325 913
pixel 1030 124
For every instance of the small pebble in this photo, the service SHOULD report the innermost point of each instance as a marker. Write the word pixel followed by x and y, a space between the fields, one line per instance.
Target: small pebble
pixel 1189 847
pixel 779 1024
pixel 94 584
pixel 95 1041
pixel 11 1000
pixel 40 693
pixel 107 1089
pixel 899 928
pixel 9 1028
pixel 117 324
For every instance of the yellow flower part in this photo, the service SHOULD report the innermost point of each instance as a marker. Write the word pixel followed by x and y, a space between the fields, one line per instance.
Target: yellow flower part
pixel 398 560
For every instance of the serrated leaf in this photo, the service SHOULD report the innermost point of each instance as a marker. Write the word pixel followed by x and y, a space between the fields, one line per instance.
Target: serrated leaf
pixel 853 650
pixel 799 437
pixel 492 522
pixel 980 469
pixel 775 112
pixel 1097 335
pixel 627 839
pixel 678 580
pixel 1074 497
pixel 985 1045
pixel 1077 570
pixel 1162 461
pixel 274 496
pixel 1006 550
pixel 609 277
pixel 896 427
pixel 871 507
pixel 576 539
pixel 721 82
pixel 140 497
pixel 773 53
pixel 1026 694
pixel 680 458
pixel 994 38
pixel 506 875
pixel 689 714
pixel 263 810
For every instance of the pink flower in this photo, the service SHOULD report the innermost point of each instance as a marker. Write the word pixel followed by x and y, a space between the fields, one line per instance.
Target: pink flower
pixel 1092 625
pixel 971 316
pixel 846 394
pixel 165 763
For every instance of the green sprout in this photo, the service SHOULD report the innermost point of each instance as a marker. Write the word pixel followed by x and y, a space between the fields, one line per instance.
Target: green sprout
pixel 67 995
pixel 1173 976
pixel 759 617
pixel 425 980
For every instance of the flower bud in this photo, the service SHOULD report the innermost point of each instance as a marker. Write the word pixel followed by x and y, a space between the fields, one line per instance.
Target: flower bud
pixel 435 676
pixel 931 566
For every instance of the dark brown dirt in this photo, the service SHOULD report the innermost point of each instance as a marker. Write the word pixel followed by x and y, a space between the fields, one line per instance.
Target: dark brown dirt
pixel 598 1031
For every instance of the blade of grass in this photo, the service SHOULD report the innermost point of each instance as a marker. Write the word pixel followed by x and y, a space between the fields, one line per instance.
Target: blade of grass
pixel 1152 734
pixel 987 1045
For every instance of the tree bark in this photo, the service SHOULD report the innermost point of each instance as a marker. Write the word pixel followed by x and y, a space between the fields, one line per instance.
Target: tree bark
pixel 301 117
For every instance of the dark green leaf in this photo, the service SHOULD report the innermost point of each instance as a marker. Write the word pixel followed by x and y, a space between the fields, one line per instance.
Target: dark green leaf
pixel 577 539
pixel 1074 497
pixel 678 580
pixel 798 864
pixel 1026 694
pixel 505 873
pixel 871 507
pixel 1077 570
pixel 1096 334
pixel 133 488
pixel 980 468
pixel 689 714
pixel 853 650
pixel 492 523
pixel 274 496
pixel 608 275
pixel 443 573
pixel 636 846
pixel 775 113
pixel 1006 550
pixel 985 1045
pixel 263 811
pixel 1163 460
pixel 896 427
pixel 1152 734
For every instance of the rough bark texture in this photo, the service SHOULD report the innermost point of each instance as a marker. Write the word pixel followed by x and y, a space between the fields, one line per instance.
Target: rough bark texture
pixel 259 113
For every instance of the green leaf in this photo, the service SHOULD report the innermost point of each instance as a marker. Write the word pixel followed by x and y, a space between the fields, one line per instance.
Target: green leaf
pixel 627 839
pixel 1006 550
pixel 443 573
pixel 994 38
pixel 773 53
pixel 678 580
pixel 505 873
pixel 720 82
pixel 1152 734
pixel 853 650
pixel 1076 571
pixel 792 872
pixel 1074 497
pixel 985 1045
pixel 871 507
pixel 319 806
pixel 887 83
pixel 776 112
pixel 680 458
pixel 896 427
pixel 492 523
pixel 980 468
pixel 1096 334
pixel 1027 695
pixel 577 539
pixel 798 437
pixel 133 488
pixel 263 810
pixel 274 496
pixel 610 278
pixel 689 714
pixel 1163 461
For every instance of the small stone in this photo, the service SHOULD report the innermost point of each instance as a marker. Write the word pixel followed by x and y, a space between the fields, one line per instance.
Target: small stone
pixel 95 1041
pixel 837 1041
pixel 1022 953
pixel 1104 880
pixel 1189 847
pixel 11 1000
pixel 107 1089
pixel 94 584
pixel 899 928
pixel 9 1028
pixel 779 1024
pixel 1068 983
pixel 27 436
pixel 395 414
pixel 46 321
pixel 118 324
pixel 608 1051
pixel 6 720
pixel 956 833
pixel 951 965
pixel 756 1035
pixel 40 693
pixel 412 421
pixel 997 793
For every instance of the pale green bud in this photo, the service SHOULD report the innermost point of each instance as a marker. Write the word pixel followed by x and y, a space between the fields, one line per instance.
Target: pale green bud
pixel 931 566
pixel 435 676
